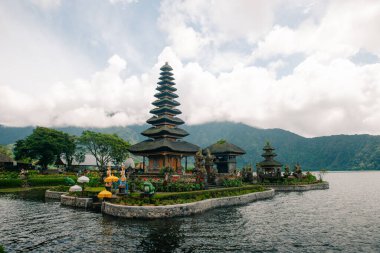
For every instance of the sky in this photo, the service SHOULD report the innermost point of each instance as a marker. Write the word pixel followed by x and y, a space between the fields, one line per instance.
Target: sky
pixel 310 67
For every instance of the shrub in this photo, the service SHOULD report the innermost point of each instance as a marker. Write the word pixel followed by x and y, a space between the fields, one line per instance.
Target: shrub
pixel 186 197
pixel 232 182
pixel 10 175
pixel 46 181
pixel 95 182
pixel 10 182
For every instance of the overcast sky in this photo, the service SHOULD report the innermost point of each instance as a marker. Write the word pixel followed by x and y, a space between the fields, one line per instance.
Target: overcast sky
pixel 310 67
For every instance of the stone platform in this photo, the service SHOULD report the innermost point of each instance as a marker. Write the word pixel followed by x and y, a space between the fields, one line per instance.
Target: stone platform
pixel 300 188
pixel 53 194
pixel 153 212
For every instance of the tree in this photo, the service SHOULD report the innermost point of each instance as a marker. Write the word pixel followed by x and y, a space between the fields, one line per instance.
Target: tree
pixel 69 148
pixel 5 151
pixel 80 154
pixel 105 147
pixel 45 145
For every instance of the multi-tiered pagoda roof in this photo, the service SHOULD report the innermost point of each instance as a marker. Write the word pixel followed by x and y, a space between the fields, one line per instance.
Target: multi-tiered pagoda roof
pixel 269 157
pixel 165 134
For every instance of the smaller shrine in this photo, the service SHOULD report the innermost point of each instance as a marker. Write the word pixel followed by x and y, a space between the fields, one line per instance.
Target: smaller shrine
pixel 269 169
pixel 225 155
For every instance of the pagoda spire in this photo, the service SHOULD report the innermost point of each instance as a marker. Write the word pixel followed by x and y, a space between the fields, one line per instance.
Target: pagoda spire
pixel 164 118
pixel 268 152
pixel 164 148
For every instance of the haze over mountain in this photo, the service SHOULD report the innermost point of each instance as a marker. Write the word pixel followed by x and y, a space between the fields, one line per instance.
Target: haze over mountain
pixel 338 152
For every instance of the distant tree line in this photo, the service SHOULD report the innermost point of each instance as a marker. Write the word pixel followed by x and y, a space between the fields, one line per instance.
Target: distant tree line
pixel 49 145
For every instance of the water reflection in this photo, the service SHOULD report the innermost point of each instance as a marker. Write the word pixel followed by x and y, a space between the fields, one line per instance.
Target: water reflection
pixel 343 218
pixel 163 236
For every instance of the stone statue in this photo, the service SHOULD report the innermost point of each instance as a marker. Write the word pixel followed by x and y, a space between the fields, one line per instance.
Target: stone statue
pixel 297 171
pixel 123 185
pixel 199 160
pixel 209 159
pixel 109 184
pixel 287 171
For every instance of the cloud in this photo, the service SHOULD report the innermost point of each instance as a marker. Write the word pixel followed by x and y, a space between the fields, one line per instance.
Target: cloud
pixel 199 30
pixel 47 4
pixel 318 98
pixel 345 29
pixel 229 61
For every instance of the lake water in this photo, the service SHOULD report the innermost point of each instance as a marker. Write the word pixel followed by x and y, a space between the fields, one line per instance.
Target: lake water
pixel 345 218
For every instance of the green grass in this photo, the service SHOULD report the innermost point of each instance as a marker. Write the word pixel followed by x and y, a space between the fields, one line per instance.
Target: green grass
pixel 94 189
pixel 170 198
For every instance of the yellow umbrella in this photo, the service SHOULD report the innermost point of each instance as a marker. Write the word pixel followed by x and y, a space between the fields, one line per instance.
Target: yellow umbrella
pixel 105 194
pixel 111 179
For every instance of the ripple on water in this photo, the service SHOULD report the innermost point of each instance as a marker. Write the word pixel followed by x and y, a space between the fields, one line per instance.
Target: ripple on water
pixel 343 218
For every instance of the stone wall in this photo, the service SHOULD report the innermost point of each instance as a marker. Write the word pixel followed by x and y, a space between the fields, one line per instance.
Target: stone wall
pixel 152 212
pixel 53 194
pixel 67 200
pixel 300 188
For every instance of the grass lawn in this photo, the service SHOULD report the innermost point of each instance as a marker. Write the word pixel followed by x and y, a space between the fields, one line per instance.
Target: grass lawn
pixel 170 198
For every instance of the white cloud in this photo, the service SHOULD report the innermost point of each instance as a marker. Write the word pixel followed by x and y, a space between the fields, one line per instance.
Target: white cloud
pixel 44 81
pixel 318 98
pixel 123 1
pixel 346 27
pixel 47 4
pixel 197 30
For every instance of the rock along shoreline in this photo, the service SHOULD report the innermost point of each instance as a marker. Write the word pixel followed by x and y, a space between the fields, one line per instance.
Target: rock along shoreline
pixel 168 211
pixel 178 210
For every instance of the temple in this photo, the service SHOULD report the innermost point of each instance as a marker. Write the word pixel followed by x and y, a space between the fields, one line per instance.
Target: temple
pixel 225 155
pixel 164 148
pixel 269 169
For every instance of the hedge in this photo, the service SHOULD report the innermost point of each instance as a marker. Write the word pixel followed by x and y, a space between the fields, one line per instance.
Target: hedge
pixel 46 181
pixel 186 197
pixel 7 183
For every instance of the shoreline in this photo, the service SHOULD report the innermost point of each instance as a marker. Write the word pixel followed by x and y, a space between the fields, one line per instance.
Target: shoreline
pixel 180 210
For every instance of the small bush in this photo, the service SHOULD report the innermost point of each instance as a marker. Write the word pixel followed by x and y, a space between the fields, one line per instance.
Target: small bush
pixel 95 182
pixel 232 182
pixel 9 175
pixel 186 197
pixel 46 181
pixel 6 183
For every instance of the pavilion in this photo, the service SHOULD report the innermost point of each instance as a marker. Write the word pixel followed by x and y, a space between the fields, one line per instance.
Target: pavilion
pixel 225 155
pixel 269 169
pixel 164 148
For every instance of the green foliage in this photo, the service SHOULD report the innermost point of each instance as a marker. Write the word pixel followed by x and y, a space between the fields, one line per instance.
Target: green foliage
pixel 105 147
pixel 6 151
pixel 232 182
pixel 9 182
pixel 186 197
pixel 9 175
pixel 307 179
pixel 340 152
pixel 45 145
pixel 46 181
pixel 221 141
pixel 2 250
pixel 95 182
pixel 69 181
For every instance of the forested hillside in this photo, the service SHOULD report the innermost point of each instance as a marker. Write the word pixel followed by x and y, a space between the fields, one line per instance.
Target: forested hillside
pixel 340 152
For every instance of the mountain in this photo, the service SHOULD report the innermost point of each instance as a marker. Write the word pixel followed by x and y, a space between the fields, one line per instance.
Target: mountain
pixel 338 152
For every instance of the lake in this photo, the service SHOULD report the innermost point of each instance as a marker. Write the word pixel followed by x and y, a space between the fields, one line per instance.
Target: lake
pixel 345 218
